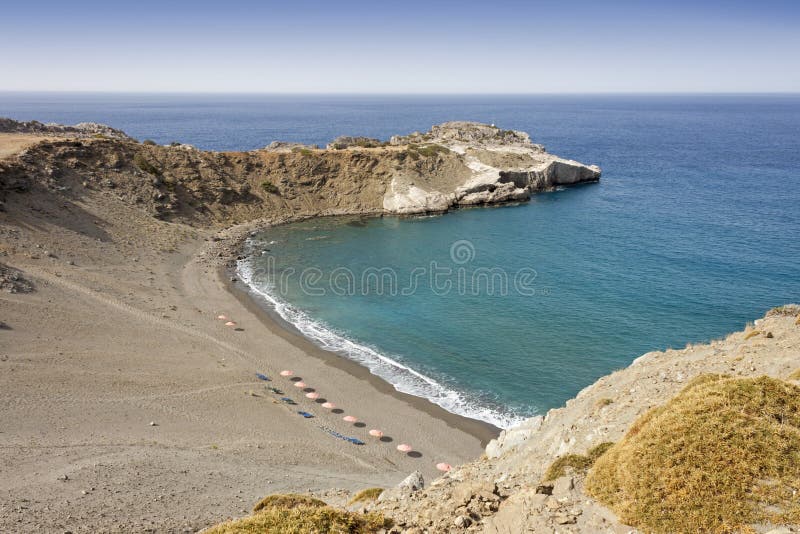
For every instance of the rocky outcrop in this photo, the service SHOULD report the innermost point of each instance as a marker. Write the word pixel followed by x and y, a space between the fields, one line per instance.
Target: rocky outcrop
pixel 83 129
pixel 501 166
pixel 14 281
pixel 507 491
pixel 347 141
pixel 285 146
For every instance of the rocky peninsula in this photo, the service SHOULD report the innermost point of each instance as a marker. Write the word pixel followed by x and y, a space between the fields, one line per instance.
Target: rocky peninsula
pixel 454 164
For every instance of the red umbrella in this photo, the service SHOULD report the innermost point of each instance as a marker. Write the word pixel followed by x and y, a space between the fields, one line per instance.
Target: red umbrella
pixel 350 419
pixel 328 405
pixel 286 373
pixel 313 395
pixel 441 466
pixel 375 432
pixel 300 384
pixel 230 323
pixel 405 447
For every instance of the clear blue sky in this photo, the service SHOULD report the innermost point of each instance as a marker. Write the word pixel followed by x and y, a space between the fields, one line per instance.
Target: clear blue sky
pixel 342 46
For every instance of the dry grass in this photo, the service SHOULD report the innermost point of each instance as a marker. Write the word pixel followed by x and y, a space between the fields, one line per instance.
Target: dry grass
pixel 602 403
pixel 751 333
pixel 304 520
pixel 301 514
pixel 795 375
pixel 724 453
pixel 366 495
pixel 286 501
pixel 579 463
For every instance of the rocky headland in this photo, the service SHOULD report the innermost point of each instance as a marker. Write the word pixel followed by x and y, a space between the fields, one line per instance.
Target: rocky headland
pixel 455 164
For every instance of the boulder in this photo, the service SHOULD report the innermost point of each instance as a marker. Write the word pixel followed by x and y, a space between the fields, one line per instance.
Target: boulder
pixel 513 437
pixel 407 486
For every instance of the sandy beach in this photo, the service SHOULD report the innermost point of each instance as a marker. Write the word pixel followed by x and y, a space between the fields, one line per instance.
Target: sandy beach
pixel 128 406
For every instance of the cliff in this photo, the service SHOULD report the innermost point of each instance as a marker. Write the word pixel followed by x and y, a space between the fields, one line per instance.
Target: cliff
pixel 533 478
pixel 456 164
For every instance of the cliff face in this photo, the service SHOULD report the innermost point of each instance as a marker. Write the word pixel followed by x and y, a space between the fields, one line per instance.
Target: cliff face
pixel 457 164
pixel 499 166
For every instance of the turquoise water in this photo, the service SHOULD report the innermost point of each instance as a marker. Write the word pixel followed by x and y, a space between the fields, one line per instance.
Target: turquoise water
pixel 693 231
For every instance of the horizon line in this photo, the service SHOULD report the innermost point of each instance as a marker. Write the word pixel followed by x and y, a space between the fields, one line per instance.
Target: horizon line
pixel 406 94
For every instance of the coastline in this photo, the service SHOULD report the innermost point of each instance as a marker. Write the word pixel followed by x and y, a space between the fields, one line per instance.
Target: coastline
pixel 483 431
pixel 139 299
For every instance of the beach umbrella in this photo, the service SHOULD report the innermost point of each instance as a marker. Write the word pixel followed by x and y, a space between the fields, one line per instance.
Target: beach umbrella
pixel 441 466
pixel 221 317
pixel 287 372
pixel 328 405
pixel 313 395
pixel 405 447
pixel 300 384
pixel 230 323
pixel 375 432
pixel 349 419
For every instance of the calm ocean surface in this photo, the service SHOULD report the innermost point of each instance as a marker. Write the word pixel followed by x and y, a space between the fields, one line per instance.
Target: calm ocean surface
pixel 693 231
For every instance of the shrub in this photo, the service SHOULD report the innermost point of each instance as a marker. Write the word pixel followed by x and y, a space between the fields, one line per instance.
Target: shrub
pixel 269 187
pixel 416 151
pixel 303 151
pixel 304 520
pixel 751 333
pixel 722 454
pixel 140 161
pixel 149 142
pixel 605 401
pixel 287 500
pixel 366 495
pixel 579 463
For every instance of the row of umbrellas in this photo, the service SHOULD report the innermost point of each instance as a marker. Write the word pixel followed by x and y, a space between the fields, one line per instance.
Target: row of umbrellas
pixel 403 447
pixel 313 395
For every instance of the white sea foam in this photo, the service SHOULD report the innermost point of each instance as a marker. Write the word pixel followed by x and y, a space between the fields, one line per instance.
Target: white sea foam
pixel 402 377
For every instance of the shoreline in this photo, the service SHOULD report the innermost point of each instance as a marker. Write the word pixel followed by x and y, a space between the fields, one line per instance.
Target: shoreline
pixel 226 270
pixel 481 430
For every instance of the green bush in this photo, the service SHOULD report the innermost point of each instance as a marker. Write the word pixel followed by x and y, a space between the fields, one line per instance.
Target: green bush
pixel 149 142
pixel 303 151
pixel 577 462
pixel 140 161
pixel 270 188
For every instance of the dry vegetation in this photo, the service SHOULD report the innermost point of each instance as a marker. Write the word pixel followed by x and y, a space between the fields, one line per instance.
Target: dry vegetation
pixel 301 514
pixel 721 455
pixel 288 500
pixel 366 495
pixel 578 463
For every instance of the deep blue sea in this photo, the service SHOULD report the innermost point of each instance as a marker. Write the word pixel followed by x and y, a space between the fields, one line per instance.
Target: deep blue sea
pixel 693 230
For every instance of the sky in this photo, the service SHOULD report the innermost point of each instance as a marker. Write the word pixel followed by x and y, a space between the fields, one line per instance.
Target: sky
pixel 492 46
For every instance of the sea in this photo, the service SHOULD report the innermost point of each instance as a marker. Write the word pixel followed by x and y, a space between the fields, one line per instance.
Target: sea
pixel 502 313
